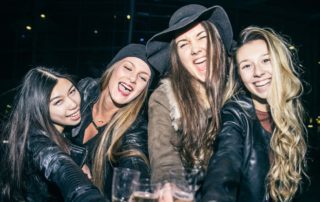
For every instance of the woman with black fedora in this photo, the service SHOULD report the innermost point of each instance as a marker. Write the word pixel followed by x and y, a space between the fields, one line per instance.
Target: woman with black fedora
pixel 114 127
pixel 184 108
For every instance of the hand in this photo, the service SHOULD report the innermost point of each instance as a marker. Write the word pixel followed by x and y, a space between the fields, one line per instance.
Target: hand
pixel 86 170
pixel 166 193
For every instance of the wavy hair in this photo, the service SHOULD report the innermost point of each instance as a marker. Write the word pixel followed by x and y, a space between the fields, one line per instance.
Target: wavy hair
pixel 110 141
pixel 30 110
pixel 288 146
pixel 195 145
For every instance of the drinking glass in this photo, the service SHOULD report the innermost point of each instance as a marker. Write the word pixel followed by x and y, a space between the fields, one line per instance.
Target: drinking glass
pixel 124 183
pixel 146 191
pixel 192 176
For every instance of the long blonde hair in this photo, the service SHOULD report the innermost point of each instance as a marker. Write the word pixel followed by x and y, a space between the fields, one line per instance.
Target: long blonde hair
pixel 288 146
pixel 114 132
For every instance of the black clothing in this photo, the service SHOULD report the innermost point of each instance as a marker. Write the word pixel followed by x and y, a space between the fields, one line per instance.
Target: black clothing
pixel 237 171
pixel 134 138
pixel 49 169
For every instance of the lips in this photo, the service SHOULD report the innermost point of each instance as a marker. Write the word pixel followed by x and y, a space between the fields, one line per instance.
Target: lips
pixel 201 64
pixel 262 83
pixel 124 88
pixel 75 116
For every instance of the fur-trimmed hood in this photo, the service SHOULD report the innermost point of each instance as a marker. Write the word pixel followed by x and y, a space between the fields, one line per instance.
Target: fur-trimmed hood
pixel 175 113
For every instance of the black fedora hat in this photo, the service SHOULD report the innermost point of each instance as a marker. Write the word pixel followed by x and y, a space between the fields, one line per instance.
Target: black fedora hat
pixel 158 45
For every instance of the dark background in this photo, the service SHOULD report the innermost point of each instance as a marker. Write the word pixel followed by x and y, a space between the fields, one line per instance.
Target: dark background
pixel 82 36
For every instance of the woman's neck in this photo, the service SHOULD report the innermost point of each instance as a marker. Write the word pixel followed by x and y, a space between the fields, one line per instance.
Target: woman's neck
pixel 104 108
pixel 260 104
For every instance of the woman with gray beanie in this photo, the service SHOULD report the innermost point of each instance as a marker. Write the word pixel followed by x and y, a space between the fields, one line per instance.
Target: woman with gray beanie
pixel 113 127
pixel 184 108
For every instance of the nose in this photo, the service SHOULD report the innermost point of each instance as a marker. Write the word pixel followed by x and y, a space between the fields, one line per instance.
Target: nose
pixel 72 103
pixel 258 71
pixel 133 77
pixel 195 48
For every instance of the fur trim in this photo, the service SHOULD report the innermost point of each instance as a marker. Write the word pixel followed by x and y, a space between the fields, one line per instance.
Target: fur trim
pixel 175 113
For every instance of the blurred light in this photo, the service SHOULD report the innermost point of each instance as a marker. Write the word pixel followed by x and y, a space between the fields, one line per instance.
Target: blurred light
pixel 291 47
pixel 28 27
pixel 310 126
pixel 128 17
pixel 95 31
pixel 141 39
pixel 23 36
pixel 43 16
pixel 319 62
pixel 115 16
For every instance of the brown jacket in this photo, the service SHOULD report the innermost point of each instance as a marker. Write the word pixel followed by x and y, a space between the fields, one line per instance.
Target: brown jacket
pixel 164 122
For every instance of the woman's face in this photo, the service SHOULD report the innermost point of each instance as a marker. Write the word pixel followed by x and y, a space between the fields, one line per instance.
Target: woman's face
pixel 255 68
pixel 129 78
pixel 64 105
pixel 192 51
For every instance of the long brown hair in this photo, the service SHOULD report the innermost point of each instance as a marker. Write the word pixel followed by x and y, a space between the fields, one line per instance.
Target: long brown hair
pixel 198 131
pixel 114 132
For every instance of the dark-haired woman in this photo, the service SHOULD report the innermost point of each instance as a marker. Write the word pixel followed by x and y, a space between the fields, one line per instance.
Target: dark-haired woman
pixel 37 165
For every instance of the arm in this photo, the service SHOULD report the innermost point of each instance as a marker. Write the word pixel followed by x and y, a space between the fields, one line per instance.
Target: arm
pixel 224 171
pixel 57 167
pixel 163 156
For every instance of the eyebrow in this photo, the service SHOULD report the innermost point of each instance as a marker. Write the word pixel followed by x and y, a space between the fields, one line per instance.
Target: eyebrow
pixel 245 60
pixel 197 35
pixel 135 66
pixel 60 95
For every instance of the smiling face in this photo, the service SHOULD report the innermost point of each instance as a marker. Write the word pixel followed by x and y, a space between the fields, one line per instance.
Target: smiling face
pixel 192 51
pixel 255 69
pixel 129 78
pixel 64 105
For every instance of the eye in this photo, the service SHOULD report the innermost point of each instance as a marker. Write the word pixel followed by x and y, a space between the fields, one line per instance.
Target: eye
pixel 73 91
pixel 204 36
pixel 181 45
pixel 143 78
pixel 266 60
pixel 58 102
pixel 127 68
pixel 245 66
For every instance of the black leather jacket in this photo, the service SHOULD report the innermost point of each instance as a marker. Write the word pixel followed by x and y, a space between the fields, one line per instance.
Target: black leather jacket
pixel 51 172
pixel 237 170
pixel 135 137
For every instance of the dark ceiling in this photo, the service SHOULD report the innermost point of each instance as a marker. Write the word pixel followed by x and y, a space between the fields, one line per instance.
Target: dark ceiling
pixel 82 36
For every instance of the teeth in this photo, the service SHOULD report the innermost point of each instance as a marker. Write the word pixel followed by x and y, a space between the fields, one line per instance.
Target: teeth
pixel 126 87
pixel 262 83
pixel 200 60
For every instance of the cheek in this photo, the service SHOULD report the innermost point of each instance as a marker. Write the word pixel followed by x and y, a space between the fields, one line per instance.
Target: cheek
pixel 245 76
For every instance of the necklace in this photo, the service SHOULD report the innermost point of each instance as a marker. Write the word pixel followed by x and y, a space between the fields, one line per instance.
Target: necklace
pixel 100 123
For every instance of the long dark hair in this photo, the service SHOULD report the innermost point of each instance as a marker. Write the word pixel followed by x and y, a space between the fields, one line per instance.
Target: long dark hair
pixel 198 132
pixel 30 110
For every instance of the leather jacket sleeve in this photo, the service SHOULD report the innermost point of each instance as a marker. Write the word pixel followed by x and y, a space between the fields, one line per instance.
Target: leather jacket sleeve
pixel 57 167
pixel 136 139
pixel 224 170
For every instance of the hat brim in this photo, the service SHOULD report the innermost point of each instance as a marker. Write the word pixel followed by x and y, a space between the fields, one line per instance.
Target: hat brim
pixel 159 44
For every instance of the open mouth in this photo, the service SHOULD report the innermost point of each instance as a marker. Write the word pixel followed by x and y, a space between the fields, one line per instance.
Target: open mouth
pixel 75 116
pixel 124 88
pixel 262 83
pixel 201 63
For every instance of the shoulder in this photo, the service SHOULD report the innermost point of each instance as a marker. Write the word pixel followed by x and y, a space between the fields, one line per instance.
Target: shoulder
pixel 89 88
pixel 88 84
pixel 239 107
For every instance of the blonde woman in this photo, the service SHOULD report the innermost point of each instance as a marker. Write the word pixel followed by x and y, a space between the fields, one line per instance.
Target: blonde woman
pixel 113 127
pixel 260 150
